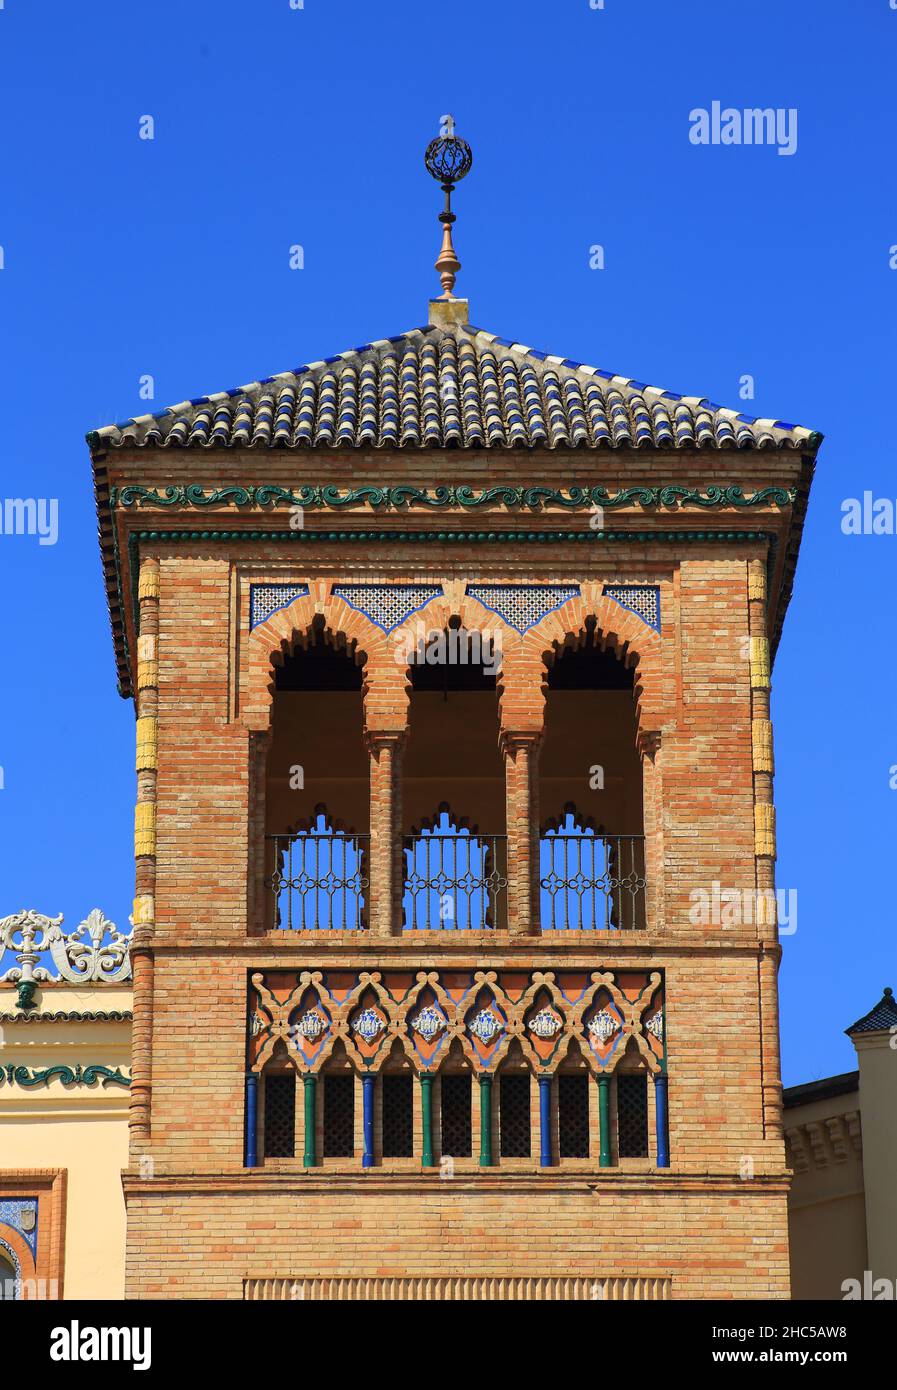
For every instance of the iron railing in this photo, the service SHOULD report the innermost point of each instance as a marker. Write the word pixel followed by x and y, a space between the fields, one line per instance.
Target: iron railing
pixel 319 881
pixel 592 882
pixel 455 882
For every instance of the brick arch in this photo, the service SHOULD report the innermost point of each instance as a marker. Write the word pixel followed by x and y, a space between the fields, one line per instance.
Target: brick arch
pixel 618 630
pixel 385 700
pixel 438 615
pixel 18 1247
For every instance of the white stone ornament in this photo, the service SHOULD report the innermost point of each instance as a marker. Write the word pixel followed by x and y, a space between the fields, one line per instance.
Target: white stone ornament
pixel 603 1025
pixel 486 1026
pixel 545 1024
pixel 78 960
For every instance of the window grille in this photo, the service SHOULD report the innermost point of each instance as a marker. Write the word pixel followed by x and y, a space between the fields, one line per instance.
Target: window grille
pixel 339 1115
pixel 398 1113
pixel 573 1116
pixel 632 1114
pixel 280 1114
pixel 457 1138
pixel 513 1115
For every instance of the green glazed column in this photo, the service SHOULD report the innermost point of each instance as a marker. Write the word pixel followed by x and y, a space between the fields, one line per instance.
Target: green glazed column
pixel 310 1157
pixel 485 1121
pixel 604 1121
pixel 426 1099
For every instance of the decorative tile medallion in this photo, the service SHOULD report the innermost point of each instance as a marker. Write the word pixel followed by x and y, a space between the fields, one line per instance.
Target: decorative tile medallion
pixel 545 1024
pixel 603 1025
pixel 429 1022
pixel 311 1025
pixel 486 1025
pixel 368 1024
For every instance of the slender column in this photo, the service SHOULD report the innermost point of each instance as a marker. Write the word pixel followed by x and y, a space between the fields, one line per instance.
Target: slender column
pixel 367 1103
pixel 252 1107
pixel 604 1120
pixel 385 853
pixel 521 752
pixel 426 1097
pixel 545 1121
pixel 485 1121
pixel 662 1120
pixel 144 913
pixel 310 1157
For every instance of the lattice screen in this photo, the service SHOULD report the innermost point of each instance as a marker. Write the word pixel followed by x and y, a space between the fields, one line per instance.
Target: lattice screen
pixel 514 1114
pixel 457 1134
pixel 643 599
pixel 398 1116
pixel 632 1114
pixel 280 1114
pixel 573 1116
pixel 265 599
pixel 339 1114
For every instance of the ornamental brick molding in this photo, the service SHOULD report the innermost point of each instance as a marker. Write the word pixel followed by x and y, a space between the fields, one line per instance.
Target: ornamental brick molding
pixel 606 1013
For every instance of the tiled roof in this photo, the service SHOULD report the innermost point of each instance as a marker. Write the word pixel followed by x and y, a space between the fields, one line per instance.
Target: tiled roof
pixel 879 1019
pixel 825 1089
pixel 451 386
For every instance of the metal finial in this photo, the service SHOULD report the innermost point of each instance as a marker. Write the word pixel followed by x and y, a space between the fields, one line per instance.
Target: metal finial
pixel 448 159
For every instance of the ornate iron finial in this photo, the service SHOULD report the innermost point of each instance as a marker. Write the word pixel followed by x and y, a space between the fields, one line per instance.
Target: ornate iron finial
pixel 448 159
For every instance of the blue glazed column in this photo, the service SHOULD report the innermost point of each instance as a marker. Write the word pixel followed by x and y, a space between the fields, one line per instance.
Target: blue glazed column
pixel 545 1121
pixel 252 1108
pixel 367 1112
pixel 662 1119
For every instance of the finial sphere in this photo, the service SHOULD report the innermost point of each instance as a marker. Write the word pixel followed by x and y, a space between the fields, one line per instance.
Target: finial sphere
pixel 448 158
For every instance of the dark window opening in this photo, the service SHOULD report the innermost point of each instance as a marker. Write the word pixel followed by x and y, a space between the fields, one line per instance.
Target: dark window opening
pixel 573 1116
pixel 319 666
pixel 280 1115
pixel 632 1114
pixel 339 1115
pixel 513 1115
pixel 457 1134
pixel 398 1117
pixel 588 668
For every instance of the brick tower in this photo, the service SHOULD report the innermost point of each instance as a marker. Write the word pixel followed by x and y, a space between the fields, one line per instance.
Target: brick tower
pixel 454 957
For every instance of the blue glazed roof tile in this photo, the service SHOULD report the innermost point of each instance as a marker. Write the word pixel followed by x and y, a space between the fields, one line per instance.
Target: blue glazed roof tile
pixel 883 1018
pixel 446 386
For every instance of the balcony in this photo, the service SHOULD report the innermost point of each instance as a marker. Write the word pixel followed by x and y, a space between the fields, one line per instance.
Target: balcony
pixel 457 881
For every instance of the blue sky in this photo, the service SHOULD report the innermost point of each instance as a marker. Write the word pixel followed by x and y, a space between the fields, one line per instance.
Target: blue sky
pixel 277 126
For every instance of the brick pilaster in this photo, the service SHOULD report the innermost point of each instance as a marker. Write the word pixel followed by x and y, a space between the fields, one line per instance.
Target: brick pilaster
pixel 521 753
pixel 385 845
pixel 145 851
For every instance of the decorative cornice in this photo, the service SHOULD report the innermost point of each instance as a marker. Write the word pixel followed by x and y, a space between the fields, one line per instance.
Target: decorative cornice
pixel 405 496
pixel 71 1016
pixel 13 1075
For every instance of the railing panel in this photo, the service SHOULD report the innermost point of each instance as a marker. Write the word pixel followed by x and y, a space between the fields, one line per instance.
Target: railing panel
pixel 592 882
pixel 318 881
pixel 454 882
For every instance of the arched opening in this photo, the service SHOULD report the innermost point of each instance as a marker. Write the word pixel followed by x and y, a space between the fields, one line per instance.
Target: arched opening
pixel 455 855
pixel 279 1105
pixel 317 799
pixel 10 1283
pixel 592 855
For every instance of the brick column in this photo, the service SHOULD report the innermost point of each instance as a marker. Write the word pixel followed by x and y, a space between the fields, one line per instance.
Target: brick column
pixel 385 853
pixel 649 744
pixel 765 848
pixel 521 753
pixel 144 914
